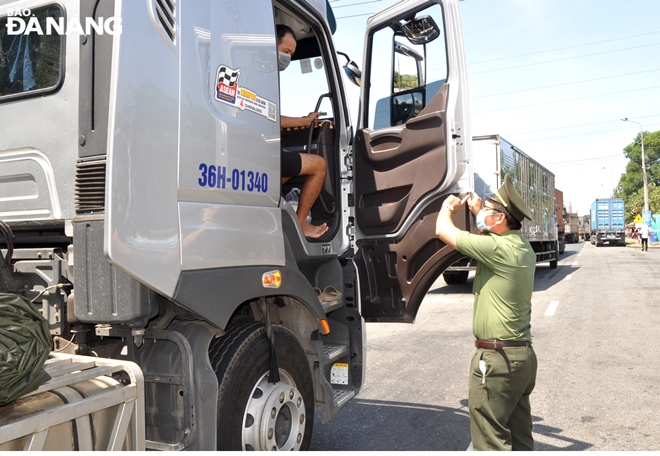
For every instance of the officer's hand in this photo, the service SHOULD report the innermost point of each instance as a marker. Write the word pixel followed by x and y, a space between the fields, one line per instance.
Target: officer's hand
pixel 474 203
pixel 454 202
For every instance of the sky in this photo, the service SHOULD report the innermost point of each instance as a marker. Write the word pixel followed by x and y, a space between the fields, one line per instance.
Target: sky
pixel 553 77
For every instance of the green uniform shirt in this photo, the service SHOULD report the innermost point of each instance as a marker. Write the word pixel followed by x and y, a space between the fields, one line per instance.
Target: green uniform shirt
pixel 503 284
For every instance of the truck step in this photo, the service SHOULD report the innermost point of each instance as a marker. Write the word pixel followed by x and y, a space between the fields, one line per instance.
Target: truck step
pixel 341 397
pixel 333 352
pixel 329 306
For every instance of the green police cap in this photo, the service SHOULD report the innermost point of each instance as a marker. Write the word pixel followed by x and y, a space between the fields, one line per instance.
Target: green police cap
pixel 511 199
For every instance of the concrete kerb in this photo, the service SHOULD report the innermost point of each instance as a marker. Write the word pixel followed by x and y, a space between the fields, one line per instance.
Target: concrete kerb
pixel 638 245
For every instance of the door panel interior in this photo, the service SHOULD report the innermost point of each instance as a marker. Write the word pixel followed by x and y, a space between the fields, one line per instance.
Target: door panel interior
pixel 397 166
pixel 395 274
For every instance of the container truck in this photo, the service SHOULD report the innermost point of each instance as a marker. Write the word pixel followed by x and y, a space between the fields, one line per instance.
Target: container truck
pixel 585 227
pixel 559 215
pixel 493 157
pixel 140 187
pixel 572 227
pixel 608 224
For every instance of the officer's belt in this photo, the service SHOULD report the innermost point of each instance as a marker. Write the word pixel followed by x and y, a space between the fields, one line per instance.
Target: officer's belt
pixel 498 344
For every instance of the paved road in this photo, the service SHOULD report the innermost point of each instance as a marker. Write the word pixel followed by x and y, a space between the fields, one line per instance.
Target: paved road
pixel 595 323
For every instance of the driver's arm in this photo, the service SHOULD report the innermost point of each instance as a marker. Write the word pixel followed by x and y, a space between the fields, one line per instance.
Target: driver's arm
pixel 292 122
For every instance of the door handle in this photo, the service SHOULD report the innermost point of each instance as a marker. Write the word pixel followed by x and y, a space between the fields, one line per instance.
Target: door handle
pixel 455 136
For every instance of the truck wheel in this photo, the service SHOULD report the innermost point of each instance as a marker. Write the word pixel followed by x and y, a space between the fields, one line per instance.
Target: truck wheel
pixel 254 414
pixel 450 279
pixel 553 264
pixel 461 277
pixel 453 278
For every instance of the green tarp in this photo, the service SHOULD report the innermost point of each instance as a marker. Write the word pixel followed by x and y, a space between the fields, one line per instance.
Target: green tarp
pixel 25 343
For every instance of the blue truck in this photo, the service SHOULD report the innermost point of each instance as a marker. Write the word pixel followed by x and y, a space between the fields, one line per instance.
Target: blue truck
pixel 608 222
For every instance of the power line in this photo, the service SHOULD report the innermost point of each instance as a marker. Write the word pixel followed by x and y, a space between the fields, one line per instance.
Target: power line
pixel 491 20
pixel 585 160
pixel 570 136
pixel 576 126
pixel 568 99
pixel 354 15
pixel 562 48
pixel 547 10
pixel 356 4
pixel 565 83
pixel 565 58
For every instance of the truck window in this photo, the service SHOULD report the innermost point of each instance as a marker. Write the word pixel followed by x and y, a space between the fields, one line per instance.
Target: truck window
pixel 404 76
pixel 31 63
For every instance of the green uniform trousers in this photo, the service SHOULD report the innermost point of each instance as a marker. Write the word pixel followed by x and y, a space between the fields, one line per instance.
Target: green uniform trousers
pixel 500 414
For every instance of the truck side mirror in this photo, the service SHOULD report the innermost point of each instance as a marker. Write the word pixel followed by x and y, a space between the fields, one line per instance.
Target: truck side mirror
pixel 353 72
pixel 351 69
pixel 421 30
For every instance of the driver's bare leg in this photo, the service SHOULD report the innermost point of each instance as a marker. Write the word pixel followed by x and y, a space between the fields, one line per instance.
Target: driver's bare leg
pixel 314 167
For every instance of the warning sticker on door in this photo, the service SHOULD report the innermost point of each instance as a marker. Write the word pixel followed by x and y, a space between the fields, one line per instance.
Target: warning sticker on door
pixel 339 374
pixel 228 91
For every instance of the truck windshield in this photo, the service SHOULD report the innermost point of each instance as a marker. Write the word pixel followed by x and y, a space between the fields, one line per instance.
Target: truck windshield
pixel 30 54
pixel 301 85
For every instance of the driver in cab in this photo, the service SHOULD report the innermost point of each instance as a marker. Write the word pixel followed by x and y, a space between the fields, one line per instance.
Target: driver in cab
pixel 296 164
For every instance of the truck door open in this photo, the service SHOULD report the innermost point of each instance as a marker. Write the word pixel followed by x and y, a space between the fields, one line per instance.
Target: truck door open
pixel 410 152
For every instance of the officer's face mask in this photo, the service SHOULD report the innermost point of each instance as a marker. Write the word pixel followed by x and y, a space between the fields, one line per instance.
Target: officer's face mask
pixel 283 60
pixel 481 219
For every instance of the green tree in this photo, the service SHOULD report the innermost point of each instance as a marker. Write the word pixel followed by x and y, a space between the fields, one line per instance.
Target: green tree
pixel 405 81
pixel 631 184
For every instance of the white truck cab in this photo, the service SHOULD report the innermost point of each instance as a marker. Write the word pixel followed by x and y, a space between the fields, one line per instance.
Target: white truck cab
pixel 140 172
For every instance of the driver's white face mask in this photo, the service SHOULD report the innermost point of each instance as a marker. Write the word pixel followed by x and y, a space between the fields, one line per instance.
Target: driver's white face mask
pixel 283 60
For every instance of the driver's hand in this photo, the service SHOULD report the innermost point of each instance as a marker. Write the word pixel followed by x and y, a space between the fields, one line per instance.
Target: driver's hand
pixel 313 117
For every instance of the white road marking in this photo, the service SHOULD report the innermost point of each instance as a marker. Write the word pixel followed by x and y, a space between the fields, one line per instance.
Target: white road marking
pixel 568 277
pixel 552 308
pixel 575 263
pixel 470 447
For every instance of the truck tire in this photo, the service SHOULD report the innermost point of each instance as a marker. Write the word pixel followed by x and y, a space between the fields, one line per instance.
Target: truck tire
pixel 254 414
pixel 459 277
pixel 462 277
pixel 553 263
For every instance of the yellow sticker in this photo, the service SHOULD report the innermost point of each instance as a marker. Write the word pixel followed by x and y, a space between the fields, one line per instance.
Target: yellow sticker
pixel 339 374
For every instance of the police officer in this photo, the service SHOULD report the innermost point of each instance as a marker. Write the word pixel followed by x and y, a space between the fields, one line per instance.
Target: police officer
pixel 503 369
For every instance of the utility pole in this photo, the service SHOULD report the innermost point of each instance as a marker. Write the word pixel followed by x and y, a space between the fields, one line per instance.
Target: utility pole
pixel 646 184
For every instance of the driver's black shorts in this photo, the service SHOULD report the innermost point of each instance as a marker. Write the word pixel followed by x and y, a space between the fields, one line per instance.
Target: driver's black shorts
pixel 291 164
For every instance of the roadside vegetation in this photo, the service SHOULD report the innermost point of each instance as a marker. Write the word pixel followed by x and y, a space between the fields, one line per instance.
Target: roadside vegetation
pixel 631 184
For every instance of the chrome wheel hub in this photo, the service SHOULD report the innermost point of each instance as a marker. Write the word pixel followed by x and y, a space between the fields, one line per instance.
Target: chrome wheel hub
pixel 274 418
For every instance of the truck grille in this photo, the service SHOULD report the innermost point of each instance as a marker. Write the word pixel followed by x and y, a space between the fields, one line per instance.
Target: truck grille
pixel 90 186
pixel 166 13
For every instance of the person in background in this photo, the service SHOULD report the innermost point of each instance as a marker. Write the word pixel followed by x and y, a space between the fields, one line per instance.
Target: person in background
pixel 644 232
pixel 296 164
pixel 503 369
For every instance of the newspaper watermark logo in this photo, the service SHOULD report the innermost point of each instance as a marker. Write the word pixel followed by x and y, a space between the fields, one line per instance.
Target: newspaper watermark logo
pixel 21 21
